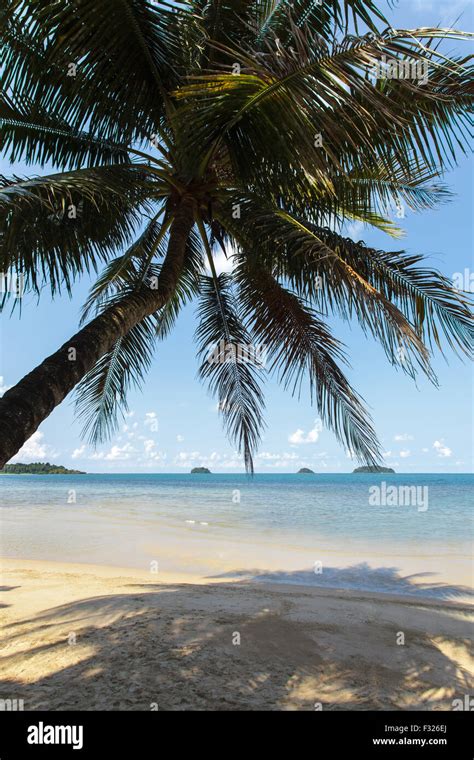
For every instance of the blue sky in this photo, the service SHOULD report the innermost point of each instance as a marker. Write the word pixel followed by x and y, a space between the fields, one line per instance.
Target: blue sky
pixel 174 424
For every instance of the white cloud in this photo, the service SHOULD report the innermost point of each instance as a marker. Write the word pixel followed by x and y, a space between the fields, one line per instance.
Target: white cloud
pixel 299 436
pixel 34 449
pixel 195 458
pixel 405 453
pixel 128 429
pixel 116 453
pixel 442 450
pixel 180 438
pixel 279 460
pixel 151 453
pixel 3 387
pixel 223 462
pixel 128 414
pixel 223 262
pixel 425 451
pixel 403 437
pixel 185 458
pixel 124 453
pixel 268 456
pixel 151 421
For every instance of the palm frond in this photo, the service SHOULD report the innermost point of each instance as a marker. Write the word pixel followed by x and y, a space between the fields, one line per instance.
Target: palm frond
pixel 234 383
pixel 58 226
pixel 309 259
pixel 324 17
pixel 128 271
pixel 404 305
pixel 425 295
pixel 103 39
pixel 40 139
pixel 277 107
pixel 301 346
pixel 427 298
pixel 375 189
pixel 101 396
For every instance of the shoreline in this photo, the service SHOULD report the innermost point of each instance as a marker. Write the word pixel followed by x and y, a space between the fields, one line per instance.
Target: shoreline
pixel 94 637
pixel 103 572
pixel 191 554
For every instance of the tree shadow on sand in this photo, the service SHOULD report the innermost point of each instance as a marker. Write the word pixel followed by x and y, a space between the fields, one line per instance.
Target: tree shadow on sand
pixel 176 647
pixel 360 577
pixel 6 588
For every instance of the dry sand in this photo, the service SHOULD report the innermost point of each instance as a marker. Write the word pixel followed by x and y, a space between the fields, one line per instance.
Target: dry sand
pixel 86 637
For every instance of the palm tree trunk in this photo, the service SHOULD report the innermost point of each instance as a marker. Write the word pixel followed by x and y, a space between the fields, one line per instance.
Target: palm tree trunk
pixel 24 407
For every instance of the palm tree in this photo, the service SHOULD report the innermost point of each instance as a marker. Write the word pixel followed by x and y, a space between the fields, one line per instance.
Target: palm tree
pixel 256 127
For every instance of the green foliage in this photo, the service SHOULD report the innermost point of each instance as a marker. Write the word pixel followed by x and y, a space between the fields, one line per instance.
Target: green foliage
pixel 38 468
pixel 236 385
pixel 267 106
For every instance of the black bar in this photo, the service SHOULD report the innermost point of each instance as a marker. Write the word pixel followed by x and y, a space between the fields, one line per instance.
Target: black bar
pixel 324 734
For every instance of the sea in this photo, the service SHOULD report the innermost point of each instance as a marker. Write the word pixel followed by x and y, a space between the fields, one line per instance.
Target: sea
pixel 392 533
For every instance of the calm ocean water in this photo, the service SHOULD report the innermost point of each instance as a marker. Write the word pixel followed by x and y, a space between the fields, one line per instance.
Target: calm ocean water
pixel 240 521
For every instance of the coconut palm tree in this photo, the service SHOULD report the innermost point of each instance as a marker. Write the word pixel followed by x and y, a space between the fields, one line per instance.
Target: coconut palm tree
pixel 168 133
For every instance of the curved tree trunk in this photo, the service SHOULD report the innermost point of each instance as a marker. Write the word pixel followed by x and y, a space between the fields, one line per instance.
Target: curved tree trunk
pixel 27 404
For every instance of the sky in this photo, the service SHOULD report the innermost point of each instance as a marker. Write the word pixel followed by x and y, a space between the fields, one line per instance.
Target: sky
pixel 173 424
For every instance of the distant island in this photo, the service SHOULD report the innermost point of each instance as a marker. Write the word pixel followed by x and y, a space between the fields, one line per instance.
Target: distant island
pixel 38 468
pixel 305 471
pixel 200 471
pixel 373 468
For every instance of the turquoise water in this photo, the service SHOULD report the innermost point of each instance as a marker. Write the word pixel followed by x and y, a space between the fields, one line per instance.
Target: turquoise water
pixel 331 505
pixel 241 522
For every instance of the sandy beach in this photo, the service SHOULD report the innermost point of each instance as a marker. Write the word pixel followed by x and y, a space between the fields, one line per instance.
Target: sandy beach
pixel 87 637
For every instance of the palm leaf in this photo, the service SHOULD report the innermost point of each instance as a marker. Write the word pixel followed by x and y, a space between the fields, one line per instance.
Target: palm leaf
pixel 40 139
pixel 101 396
pixel 104 39
pixel 234 383
pixel 309 258
pixel 324 17
pixel 58 226
pixel 300 345
pixel 275 108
